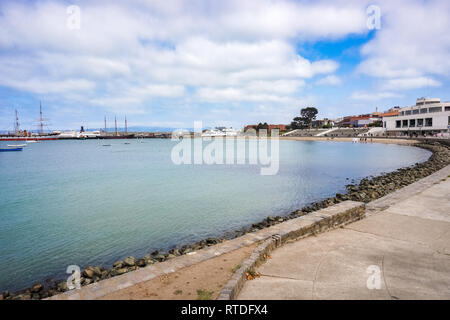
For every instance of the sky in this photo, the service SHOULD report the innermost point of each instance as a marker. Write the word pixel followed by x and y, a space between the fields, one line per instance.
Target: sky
pixel 225 63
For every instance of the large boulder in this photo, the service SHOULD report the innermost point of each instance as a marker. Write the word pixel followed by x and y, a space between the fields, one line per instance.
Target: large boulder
pixel 130 261
pixel 149 260
pixel 117 272
pixel 160 257
pixel 104 274
pixel 62 286
pixel 141 263
pixel 175 252
pixel 133 268
pixel 89 272
pixel 36 288
pixel 98 271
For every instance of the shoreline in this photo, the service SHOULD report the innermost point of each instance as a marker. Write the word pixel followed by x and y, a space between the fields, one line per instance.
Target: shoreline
pixel 350 139
pixel 368 189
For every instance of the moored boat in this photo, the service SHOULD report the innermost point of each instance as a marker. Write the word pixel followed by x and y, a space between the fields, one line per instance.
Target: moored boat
pixel 16 145
pixel 11 149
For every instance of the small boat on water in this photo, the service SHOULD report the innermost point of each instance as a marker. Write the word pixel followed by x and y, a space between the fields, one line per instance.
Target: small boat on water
pixel 16 145
pixel 11 149
pixel 106 145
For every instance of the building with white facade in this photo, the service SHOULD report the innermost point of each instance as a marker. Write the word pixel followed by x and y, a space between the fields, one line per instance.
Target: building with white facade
pixel 428 117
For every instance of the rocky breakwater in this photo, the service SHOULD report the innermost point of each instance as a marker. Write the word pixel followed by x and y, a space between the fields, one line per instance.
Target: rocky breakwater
pixel 367 190
pixel 377 187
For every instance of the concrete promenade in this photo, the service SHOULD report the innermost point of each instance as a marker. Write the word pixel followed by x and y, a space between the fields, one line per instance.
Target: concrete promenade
pixel 400 251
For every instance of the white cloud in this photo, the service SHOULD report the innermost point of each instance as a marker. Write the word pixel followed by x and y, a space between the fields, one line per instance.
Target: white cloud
pixel 39 86
pixel 158 90
pixel 271 19
pixel 237 95
pixel 373 96
pixel 409 83
pixel 282 87
pixel 127 53
pixel 413 41
pixel 330 80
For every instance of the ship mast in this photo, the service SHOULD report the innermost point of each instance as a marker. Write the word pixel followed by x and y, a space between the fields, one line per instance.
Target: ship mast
pixel 126 125
pixel 105 124
pixel 115 123
pixel 41 119
pixel 17 125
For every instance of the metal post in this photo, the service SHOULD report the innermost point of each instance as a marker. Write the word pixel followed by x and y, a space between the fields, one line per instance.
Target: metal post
pixel 17 125
pixel 41 119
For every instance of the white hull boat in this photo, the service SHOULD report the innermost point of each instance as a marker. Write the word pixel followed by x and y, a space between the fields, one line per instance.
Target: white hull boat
pixel 16 145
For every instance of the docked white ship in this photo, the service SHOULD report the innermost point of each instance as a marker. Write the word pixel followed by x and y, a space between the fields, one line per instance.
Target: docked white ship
pixel 220 132
pixel 79 135
pixel 69 135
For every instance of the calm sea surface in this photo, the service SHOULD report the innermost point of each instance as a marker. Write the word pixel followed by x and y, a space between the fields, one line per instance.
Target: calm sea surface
pixel 78 202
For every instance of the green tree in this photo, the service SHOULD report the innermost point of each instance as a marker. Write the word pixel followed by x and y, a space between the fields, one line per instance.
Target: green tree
pixel 376 124
pixel 307 115
pixel 262 126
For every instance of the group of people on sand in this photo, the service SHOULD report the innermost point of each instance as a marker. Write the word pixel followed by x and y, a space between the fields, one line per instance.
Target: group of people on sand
pixel 361 140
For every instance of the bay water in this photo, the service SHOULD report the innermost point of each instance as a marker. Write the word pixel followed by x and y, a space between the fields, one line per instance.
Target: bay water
pixel 81 203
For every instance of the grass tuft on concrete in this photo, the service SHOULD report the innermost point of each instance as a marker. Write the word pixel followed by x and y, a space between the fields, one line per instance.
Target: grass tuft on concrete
pixel 204 294
pixel 236 268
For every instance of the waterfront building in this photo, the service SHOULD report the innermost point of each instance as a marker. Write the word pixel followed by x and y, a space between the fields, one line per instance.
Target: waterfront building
pixel 280 127
pixel 358 121
pixel 428 117
pixel 220 132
